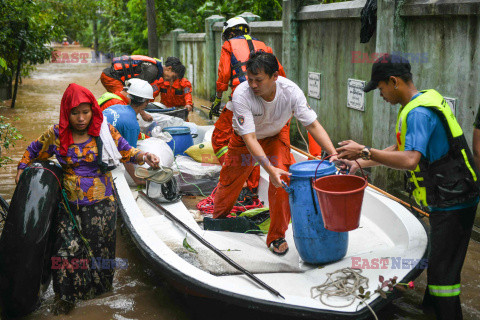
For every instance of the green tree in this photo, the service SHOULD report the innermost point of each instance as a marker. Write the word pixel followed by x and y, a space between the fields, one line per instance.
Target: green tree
pixel 29 24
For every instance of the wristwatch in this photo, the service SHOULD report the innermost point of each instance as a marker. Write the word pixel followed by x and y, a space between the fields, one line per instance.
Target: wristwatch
pixel 365 153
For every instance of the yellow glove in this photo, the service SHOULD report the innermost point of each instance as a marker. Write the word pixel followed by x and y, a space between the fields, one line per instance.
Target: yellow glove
pixel 215 108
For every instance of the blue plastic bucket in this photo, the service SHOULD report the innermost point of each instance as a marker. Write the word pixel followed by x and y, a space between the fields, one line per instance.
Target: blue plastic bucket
pixel 182 139
pixel 314 243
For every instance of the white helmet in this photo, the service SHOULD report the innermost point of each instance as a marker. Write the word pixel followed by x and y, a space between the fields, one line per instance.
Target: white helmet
pixel 139 88
pixel 237 23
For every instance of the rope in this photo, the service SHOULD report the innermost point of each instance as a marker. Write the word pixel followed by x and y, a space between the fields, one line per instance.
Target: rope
pixel 301 135
pixel 206 205
pixel 343 283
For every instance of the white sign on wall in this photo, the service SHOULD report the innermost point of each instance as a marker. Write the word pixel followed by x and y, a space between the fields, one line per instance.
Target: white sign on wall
pixel 314 84
pixel 355 94
pixel 452 102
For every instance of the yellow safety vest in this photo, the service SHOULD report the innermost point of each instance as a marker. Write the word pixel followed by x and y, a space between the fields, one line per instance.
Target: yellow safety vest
pixel 451 180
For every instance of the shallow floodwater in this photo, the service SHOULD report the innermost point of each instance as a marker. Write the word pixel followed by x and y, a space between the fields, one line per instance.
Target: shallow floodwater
pixel 138 292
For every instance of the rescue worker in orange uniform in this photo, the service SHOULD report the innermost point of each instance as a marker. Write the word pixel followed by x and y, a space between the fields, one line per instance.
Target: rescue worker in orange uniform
pixel 175 90
pixel 232 71
pixel 262 108
pixel 128 67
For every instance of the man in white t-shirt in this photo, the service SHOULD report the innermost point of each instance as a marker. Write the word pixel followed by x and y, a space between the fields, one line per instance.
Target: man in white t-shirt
pixel 262 108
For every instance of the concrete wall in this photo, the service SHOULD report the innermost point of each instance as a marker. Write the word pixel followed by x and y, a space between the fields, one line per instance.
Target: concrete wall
pixel 192 53
pixel 165 46
pixel 322 38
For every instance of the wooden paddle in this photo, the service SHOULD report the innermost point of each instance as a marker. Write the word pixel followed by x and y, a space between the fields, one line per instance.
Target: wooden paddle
pixel 388 195
pixel 169 215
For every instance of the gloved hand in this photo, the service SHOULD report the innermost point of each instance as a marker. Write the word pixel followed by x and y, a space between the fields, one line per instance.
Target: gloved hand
pixel 215 108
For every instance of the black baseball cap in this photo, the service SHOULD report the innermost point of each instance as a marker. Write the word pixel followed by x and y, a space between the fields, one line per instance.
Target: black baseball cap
pixel 386 66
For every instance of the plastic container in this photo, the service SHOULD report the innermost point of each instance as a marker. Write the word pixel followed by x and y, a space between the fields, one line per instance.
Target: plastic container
pixel 340 198
pixel 181 139
pixel 315 244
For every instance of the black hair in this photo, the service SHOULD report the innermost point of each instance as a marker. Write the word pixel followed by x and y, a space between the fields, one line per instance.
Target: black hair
pixel 262 61
pixel 136 101
pixel 176 65
pixel 407 77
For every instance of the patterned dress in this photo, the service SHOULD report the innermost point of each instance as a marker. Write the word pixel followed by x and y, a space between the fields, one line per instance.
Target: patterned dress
pixel 82 268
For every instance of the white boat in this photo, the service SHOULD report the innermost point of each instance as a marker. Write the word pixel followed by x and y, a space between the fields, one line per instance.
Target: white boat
pixel 387 231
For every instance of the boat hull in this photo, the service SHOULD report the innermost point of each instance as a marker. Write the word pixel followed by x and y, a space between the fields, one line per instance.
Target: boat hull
pixel 183 279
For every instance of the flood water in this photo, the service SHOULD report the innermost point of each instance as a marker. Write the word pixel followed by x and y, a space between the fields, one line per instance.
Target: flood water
pixel 138 292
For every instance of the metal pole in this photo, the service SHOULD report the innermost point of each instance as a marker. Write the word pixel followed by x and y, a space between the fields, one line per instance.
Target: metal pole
pixel 209 245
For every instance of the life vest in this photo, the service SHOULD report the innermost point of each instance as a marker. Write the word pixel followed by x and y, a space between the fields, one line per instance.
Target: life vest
pixel 179 94
pixel 128 67
pixel 448 181
pixel 107 96
pixel 240 55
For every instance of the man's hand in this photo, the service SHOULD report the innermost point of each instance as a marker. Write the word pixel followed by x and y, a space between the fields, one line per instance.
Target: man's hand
pixel 333 158
pixel 145 116
pixel 189 107
pixel 349 150
pixel 276 175
pixel 215 108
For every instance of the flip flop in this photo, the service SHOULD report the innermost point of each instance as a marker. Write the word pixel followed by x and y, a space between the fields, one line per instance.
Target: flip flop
pixel 161 175
pixel 276 245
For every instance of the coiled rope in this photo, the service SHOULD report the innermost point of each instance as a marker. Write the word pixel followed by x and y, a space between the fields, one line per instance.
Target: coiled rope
pixel 206 205
pixel 343 283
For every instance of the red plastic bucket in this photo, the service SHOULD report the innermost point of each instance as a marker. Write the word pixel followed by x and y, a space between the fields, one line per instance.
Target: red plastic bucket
pixel 340 198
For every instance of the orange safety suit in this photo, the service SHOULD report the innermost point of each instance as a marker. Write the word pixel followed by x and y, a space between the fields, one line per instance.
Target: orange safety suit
pixel 127 67
pixel 313 147
pixel 232 70
pixel 238 166
pixel 178 94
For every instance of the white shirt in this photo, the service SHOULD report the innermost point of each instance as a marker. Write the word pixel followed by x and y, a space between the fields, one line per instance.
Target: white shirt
pixel 252 113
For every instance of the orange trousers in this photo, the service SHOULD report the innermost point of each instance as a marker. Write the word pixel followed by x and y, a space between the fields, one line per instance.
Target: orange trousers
pixel 220 138
pixel 238 166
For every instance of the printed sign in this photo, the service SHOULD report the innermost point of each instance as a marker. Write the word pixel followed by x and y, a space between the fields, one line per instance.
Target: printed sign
pixel 314 82
pixel 355 94
pixel 452 102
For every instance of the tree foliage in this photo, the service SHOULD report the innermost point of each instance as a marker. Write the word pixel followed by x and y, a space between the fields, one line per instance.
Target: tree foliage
pixel 122 24
pixel 8 136
pixel 25 27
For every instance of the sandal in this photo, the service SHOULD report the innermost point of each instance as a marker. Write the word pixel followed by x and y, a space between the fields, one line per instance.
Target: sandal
pixel 276 245
pixel 159 176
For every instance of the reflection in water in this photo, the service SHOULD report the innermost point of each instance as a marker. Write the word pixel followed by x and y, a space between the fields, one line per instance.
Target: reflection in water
pixel 138 292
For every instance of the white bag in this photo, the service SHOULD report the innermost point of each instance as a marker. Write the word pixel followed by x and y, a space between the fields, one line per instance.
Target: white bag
pixel 159 148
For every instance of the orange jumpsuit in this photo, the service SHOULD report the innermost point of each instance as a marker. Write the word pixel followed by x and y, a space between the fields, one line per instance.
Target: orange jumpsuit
pixel 127 67
pixel 239 165
pixel 179 94
pixel 313 147
pixel 232 69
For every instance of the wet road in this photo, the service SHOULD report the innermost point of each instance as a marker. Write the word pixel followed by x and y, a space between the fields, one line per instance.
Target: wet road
pixel 138 292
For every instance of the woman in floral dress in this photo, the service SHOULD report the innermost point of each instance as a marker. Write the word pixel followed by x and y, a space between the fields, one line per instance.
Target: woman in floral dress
pixel 82 260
